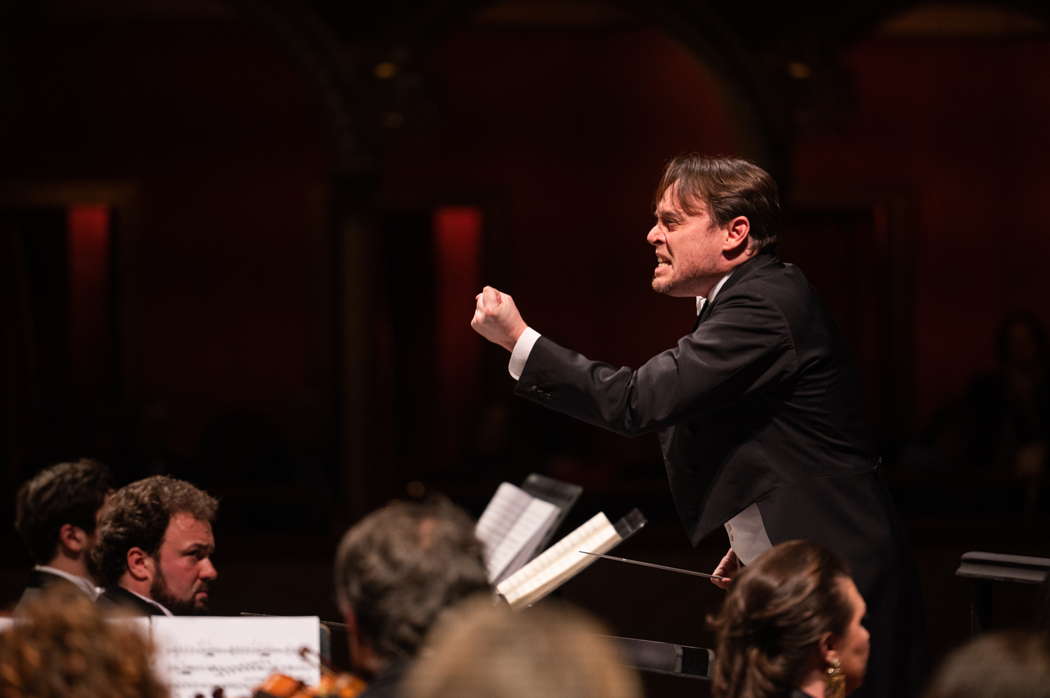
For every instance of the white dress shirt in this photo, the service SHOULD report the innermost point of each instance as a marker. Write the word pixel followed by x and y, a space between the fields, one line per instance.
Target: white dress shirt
pixel 82 583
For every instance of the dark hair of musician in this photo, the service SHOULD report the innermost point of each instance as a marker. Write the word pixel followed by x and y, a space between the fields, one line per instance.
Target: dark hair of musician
pixel 137 516
pixel 483 650
pixel 1007 664
pixel 772 620
pixel 66 493
pixel 62 647
pixel 401 566
pixel 730 187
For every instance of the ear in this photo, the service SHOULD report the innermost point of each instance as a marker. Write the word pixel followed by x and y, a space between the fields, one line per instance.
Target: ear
pixel 349 617
pixel 141 566
pixel 73 538
pixel 737 232
pixel 358 652
pixel 828 648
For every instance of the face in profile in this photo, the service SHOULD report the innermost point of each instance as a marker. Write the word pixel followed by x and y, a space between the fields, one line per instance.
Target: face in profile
pixel 183 565
pixel 853 646
pixel 688 247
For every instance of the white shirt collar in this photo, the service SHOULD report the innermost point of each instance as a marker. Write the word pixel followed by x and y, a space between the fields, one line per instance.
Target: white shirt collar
pixel 700 300
pixel 83 583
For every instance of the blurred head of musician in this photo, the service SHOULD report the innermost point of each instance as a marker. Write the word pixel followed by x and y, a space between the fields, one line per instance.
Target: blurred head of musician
pixel 486 651
pixel 1005 664
pixel 790 626
pixel 396 572
pixel 55 514
pixel 155 542
pixel 64 648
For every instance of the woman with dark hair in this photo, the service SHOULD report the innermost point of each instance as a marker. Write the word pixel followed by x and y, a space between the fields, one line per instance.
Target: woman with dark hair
pixel 790 627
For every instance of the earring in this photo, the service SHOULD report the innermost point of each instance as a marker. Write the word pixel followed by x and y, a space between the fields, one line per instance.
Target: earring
pixel 835 680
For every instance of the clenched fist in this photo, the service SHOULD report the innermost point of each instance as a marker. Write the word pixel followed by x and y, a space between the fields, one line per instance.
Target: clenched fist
pixel 497 319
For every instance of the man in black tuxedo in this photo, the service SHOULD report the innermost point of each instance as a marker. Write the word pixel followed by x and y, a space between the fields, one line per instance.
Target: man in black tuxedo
pixel 758 409
pixel 55 514
pixel 155 543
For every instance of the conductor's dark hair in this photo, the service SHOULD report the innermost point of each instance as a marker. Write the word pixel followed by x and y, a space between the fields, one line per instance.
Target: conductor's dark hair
pixel 137 516
pixel 400 567
pixel 1005 664
pixel 770 625
pixel 730 187
pixel 66 493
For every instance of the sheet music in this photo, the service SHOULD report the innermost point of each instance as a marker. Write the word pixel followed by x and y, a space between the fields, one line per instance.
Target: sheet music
pixel 559 562
pixel 197 655
pixel 511 528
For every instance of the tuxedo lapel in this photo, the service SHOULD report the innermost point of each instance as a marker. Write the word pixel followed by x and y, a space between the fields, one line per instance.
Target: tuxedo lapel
pixel 742 272
pixel 118 597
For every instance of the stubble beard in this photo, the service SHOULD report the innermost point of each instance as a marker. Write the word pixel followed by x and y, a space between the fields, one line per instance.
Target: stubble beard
pixel 159 592
pixel 663 283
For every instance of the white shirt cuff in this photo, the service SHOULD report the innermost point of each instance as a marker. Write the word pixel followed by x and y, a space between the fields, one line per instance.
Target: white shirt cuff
pixel 522 349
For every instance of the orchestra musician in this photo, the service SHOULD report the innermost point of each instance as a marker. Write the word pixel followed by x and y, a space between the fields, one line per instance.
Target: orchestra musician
pixel 481 650
pixel 790 627
pixel 396 572
pixel 55 515
pixel 757 408
pixel 155 542
pixel 65 647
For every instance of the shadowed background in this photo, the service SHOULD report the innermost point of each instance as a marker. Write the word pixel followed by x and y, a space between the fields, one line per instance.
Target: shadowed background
pixel 239 242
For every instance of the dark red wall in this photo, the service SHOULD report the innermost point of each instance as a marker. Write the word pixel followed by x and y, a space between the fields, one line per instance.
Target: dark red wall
pixel 957 128
pixel 223 252
pixel 557 136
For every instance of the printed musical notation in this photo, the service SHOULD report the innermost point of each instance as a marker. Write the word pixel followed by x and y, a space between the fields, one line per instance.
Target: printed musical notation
pixel 199 655
pixel 511 528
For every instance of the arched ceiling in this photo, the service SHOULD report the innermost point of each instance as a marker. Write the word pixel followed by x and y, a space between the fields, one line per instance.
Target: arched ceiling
pixel 361 54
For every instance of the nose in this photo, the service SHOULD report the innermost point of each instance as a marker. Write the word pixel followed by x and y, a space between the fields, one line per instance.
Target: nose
pixel 655 236
pixel 208 571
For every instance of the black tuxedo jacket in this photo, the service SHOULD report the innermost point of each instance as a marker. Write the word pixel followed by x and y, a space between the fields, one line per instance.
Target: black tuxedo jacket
pixel 39 580
pixel 758 404
pixel 119 598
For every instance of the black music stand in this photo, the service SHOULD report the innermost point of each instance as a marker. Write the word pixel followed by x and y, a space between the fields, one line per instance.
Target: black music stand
pixel 986 568
pixel 684 661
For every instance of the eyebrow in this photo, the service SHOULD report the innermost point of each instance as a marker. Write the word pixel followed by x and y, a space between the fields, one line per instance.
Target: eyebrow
pixel 665 214
pixel 196 547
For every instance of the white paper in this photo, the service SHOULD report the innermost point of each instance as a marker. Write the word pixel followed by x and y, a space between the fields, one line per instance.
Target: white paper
pixel 559 563
pixel 511 529
pixel 197 655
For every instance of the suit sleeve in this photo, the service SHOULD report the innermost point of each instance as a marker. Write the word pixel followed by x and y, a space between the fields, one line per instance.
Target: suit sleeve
pixel 742 349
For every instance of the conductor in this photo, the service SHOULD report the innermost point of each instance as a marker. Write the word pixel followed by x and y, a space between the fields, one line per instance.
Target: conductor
pixel 757 410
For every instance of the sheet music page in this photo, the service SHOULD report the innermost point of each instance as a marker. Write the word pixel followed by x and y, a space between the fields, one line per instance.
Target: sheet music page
pixel 559 563
pixel 512 518
pixel 525 537
pixel 197 655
